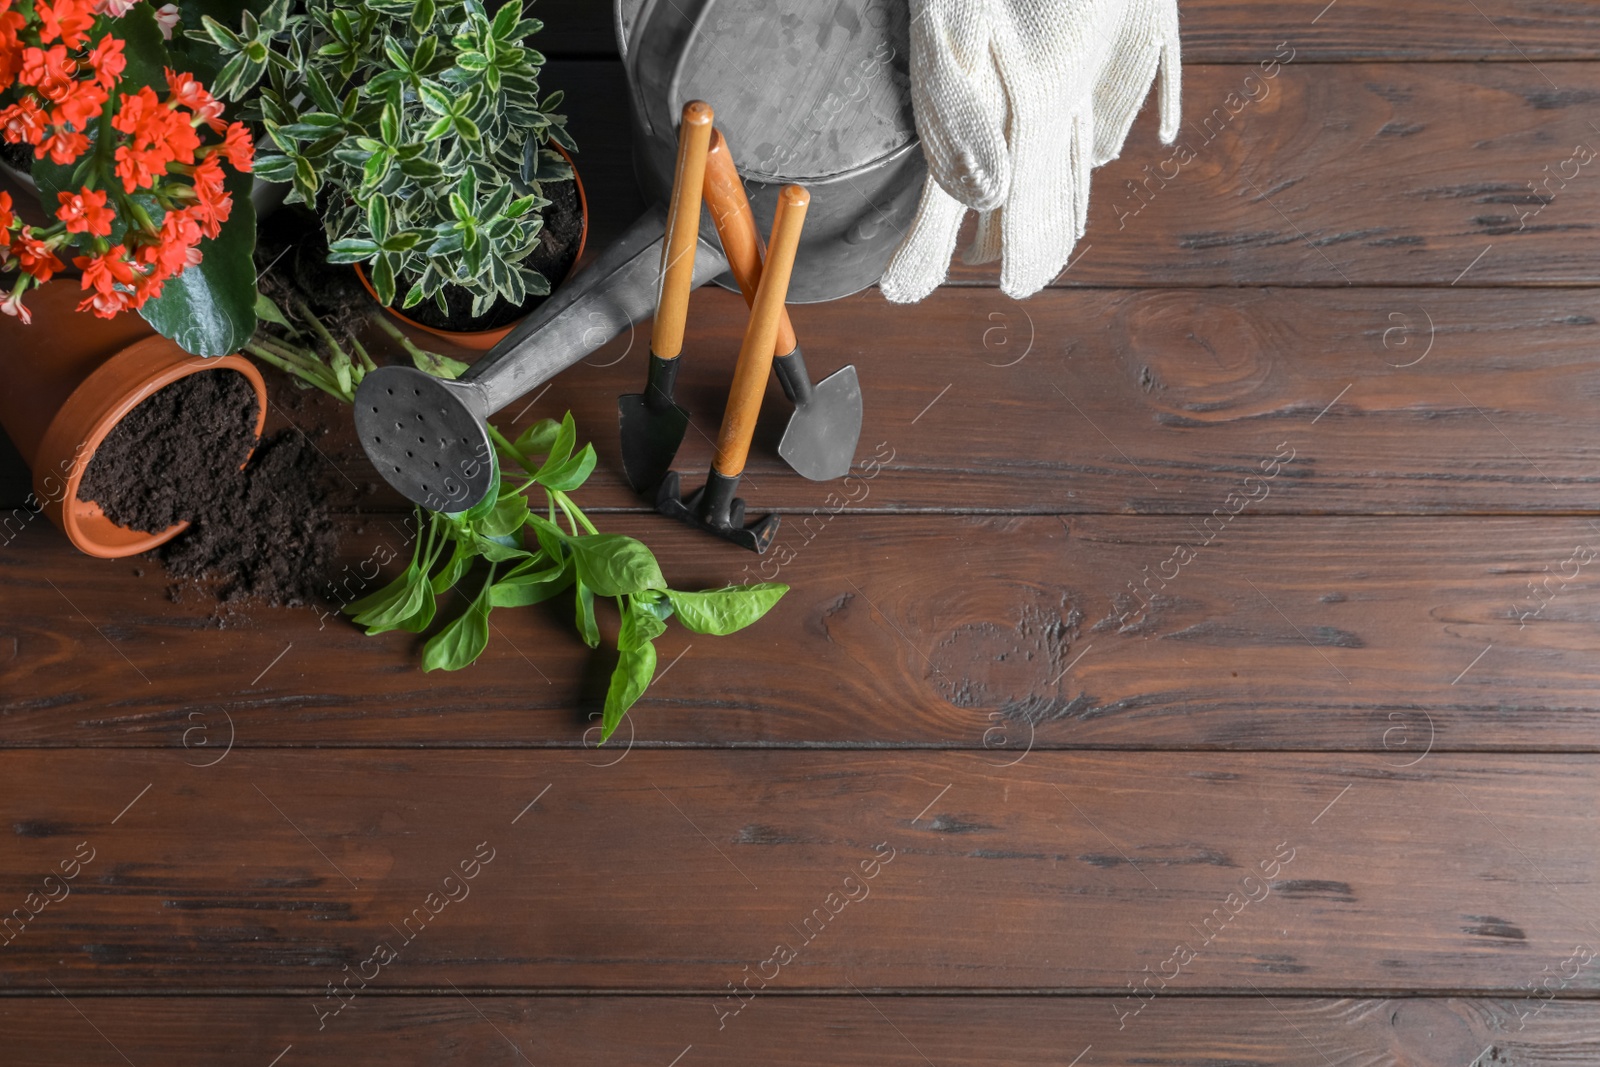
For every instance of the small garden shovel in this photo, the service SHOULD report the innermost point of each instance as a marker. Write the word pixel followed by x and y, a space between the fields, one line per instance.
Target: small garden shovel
pixel 652 422
pixel 714 507
pixel 820 440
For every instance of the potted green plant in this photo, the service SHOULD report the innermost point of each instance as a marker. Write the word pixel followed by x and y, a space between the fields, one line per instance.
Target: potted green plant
pixel 417 131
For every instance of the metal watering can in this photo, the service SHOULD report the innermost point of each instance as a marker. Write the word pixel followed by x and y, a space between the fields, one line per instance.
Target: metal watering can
pixel 808 92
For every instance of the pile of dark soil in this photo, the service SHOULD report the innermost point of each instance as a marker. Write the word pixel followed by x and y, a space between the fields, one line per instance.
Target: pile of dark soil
pixel 263 533
pixel 552 257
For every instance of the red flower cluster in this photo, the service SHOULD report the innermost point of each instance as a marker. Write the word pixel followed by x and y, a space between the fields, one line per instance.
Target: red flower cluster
pixel 168 152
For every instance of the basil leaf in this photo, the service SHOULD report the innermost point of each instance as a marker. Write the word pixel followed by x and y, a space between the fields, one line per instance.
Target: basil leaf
pixel 508 516
pixel 587 628
pixel 629 680
pixel 560 448
pixel 723 611
pixel 613 564
pixel 498 549
pixel 536 589
pixel 571 474
pixel 537 439
pixel 460 560
pixel 640 625
pixel 384 598
pixel 405 604
pixel 461 642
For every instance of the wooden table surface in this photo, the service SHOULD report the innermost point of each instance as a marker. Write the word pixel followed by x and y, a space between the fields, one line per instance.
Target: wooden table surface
pixel 1202 671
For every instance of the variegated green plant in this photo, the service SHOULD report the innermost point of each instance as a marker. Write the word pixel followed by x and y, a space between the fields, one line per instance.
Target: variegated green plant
pixel 416 128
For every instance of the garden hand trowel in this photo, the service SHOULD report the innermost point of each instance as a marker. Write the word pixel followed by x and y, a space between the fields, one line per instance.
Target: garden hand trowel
pixel 713 507
pixel 652 423
pixel 820 440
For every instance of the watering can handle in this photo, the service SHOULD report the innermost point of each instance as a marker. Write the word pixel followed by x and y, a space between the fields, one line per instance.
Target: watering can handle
pixel 601 301
pixel 736 229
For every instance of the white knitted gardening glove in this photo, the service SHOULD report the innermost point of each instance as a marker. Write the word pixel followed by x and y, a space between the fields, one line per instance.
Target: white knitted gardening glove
pixel 1015 101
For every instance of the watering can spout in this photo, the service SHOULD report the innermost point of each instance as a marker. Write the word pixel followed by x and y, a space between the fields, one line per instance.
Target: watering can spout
pixel 607 297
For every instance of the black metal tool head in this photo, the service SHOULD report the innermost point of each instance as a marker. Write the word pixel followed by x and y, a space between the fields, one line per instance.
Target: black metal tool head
pixel 714 508
pixel 652 426
pixel 426 437
pixel 820 441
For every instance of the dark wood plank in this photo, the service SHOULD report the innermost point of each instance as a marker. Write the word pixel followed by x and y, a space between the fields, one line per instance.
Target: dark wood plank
pixel 1241 31
pixel 1066 872
pixel 1353 174
pixel 1408 401
pixel 998 634
pixel 841 1031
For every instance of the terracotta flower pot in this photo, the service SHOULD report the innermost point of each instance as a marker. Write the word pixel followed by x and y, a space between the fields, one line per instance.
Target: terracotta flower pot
pixel 70 378
pixel 483 340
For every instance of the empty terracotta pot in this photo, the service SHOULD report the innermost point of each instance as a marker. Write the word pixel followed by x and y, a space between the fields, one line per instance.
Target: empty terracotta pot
pixel 70 378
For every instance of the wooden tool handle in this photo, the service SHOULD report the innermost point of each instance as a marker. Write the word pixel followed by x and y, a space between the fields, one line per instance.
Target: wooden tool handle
pixel 736 229
pixel 755 355
pixel 683 231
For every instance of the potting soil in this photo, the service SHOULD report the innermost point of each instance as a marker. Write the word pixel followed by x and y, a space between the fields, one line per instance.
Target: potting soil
pixel 262 533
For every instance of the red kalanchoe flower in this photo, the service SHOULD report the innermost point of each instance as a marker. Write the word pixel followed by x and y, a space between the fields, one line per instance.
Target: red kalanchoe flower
pixel 237 148
pixel 85 211
pixel 63 146
pixel 174 247
pixel 102 273
pixel 167 18
pixel 107 61
pixel 157 136
pixel 213 202
pixel 65 20
pixel 12 305
pixel 81 106
pixel 35 257
pixel 48 70
pixel 185 91
pixel 106 305
pixel 11 24
pixel 23 122
pixel 115 8
pixel 8 216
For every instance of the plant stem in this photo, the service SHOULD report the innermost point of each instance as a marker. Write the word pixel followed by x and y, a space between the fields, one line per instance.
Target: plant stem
pixel 290 366
pixel 570 508
pixel 316 324
pixel 405 342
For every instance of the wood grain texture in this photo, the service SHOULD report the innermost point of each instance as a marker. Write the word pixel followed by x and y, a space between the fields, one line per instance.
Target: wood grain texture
pixel 992 635
pixel 1396 401
pixel 1352 174
pixel 850 1030
pixel 1234 31
pixel 1066 872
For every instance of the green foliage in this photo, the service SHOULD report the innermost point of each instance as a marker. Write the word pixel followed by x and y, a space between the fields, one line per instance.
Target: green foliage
pixel 418 129
pixel 566 552
pixel 507 553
